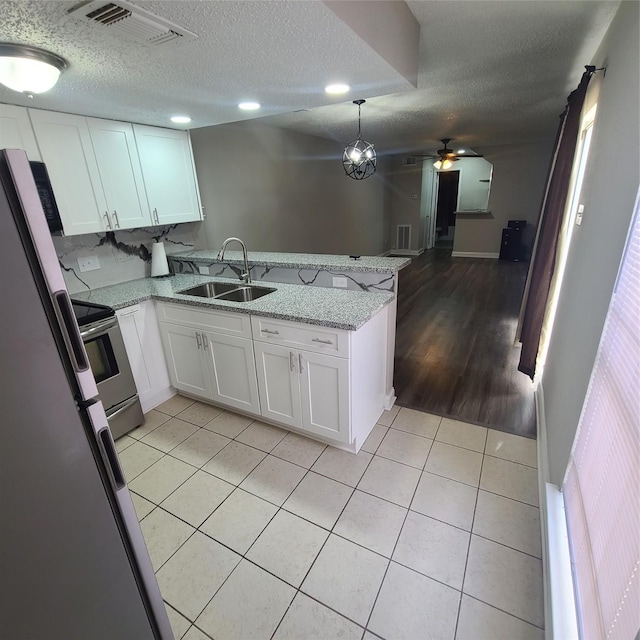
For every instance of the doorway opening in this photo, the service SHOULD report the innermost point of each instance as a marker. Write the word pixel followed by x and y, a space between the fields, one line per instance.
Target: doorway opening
pixel 446 206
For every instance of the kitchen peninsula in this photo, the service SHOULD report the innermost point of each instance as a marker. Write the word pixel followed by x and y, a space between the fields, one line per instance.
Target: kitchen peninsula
pixel 315 356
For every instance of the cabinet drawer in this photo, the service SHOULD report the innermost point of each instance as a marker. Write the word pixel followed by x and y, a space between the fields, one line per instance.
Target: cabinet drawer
pixel 301 336
pixel 232 324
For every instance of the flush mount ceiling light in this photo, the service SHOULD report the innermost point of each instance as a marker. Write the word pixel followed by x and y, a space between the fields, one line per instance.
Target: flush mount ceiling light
pixel 337 89
pixel 181 119
pixel 359 156
pixel 29 69
pixel 249 106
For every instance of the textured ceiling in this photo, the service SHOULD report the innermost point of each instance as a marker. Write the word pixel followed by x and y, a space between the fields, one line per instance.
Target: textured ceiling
pixel 489 72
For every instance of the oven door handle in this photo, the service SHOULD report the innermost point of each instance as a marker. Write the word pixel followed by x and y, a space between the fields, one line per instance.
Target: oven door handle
pixel 102 328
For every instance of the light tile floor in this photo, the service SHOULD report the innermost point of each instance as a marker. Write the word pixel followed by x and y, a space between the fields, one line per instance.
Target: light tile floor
pixel 431 531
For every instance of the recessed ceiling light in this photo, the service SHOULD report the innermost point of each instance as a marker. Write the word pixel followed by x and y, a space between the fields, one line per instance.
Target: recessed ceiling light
pixel 180 119
pixel 249 106
pixel 337 89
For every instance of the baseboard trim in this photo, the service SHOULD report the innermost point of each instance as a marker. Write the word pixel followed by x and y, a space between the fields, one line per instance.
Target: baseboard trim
pixel 152 400
pixel 473 254
pixel 390 400
pixel 405 252
pixel 384 254
pixel 560 621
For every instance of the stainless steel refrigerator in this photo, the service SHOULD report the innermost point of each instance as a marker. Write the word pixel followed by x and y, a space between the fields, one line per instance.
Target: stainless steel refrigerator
pixel 73 562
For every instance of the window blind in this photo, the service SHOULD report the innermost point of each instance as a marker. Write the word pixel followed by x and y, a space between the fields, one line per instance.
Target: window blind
pixel 602 483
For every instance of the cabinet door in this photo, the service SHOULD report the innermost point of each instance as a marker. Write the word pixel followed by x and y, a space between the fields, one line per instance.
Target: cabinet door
pixel 188 368
pixel 144 350
pixel 65 146
pixel 117 156
pixel 233 369
pixel 16 131
pixel 324 395
pixel 169 174
pixel 278 383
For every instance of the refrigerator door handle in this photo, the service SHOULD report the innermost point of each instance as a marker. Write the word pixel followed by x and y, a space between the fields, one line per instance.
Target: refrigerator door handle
pixel 70 331
pixel 106 446
pixel 110 457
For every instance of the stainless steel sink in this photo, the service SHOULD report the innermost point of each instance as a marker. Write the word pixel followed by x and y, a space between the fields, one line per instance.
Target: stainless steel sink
pixel 209 289
pixel 245 294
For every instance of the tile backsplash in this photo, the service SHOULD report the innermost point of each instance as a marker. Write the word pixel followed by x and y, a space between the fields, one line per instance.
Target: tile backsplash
pixel 122 255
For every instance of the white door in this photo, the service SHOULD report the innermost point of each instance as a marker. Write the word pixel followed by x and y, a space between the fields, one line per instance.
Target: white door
pixel 120 174
pixel 324 394
pixel 279 383
pixel 16 131
pixel 169 174
pixel 65 146
pixel 188 368
pixel 233 371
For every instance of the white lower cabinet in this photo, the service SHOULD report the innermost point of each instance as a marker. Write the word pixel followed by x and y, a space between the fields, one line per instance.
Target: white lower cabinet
pixel 214 365
pixel 304 389
pixel 325 382
pixel 144 350
pixel 186 362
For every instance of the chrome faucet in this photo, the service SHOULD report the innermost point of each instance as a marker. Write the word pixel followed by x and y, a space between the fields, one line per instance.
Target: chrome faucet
pixel 246 276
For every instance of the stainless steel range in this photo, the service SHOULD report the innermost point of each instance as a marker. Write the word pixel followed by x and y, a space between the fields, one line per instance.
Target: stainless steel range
pixel 105 348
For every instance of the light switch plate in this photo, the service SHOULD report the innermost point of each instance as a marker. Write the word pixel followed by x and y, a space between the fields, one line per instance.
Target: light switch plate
pixel 203 270
pixel 88 263
pixel 340 281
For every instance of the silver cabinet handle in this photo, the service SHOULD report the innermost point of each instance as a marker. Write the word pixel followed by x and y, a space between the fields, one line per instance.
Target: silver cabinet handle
pixel 155 215
pixel 205 342
pixel 107 221
pixel 116 222
pixel 292 364
pixel 300 362
pixel 322 341
pixel 270 332
pixel 198 340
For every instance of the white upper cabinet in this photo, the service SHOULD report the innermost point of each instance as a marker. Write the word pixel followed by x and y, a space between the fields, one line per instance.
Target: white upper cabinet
pixel 16 131
pixel 116 154
pixel 169 174
pixel 66 149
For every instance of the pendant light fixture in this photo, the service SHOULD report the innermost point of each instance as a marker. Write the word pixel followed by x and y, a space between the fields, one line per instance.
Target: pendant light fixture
pixel 28 69
pixel 359 156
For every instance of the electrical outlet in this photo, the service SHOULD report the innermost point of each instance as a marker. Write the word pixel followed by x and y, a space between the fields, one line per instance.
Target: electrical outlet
pixel 203 270
pixel 340 282
pixel 88 263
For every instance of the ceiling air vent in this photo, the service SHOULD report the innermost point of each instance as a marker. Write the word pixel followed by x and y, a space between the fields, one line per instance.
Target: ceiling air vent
pixel 131 22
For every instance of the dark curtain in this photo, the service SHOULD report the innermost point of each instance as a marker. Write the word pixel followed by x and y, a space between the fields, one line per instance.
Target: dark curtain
pixel 550 222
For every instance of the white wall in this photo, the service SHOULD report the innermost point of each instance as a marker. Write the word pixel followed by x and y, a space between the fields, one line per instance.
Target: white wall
pixel 404 195
pixel 284 191
pixel 519 174
pixel 473 188
pixel 611 183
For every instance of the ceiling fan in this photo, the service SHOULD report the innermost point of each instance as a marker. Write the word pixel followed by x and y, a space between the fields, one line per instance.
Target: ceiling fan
pixel 446 156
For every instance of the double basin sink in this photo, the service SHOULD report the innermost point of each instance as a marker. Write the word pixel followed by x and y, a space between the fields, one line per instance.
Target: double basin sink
pixel 227 291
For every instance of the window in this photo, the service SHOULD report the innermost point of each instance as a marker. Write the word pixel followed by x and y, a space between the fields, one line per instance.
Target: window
pixel 602 483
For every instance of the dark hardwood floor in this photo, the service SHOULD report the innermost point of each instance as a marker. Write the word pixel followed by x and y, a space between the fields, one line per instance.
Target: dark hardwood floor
pixel 455 354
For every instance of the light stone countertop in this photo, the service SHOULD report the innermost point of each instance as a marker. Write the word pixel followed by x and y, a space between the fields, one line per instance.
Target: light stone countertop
pixel 299 260
pixel 340 309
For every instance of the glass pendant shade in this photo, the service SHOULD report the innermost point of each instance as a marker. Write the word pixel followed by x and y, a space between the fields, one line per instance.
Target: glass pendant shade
pixel 443 165
pixel 28 69
pixel 359 156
